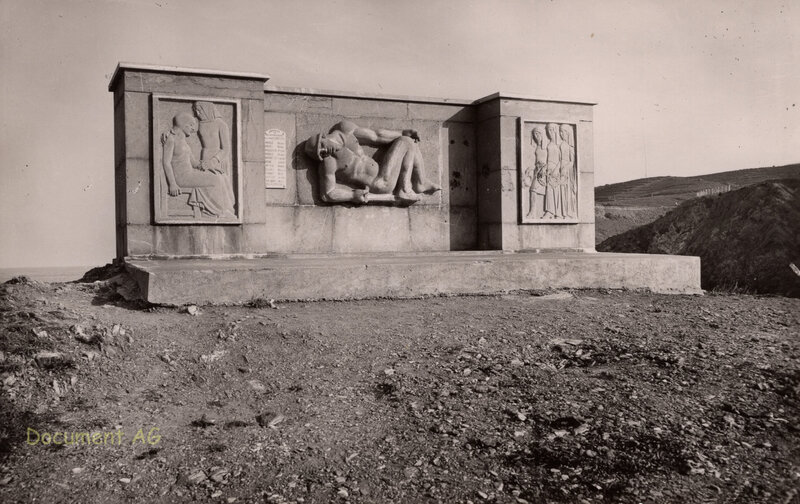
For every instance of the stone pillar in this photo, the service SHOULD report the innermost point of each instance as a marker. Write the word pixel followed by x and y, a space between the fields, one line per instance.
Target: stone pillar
pixel 507 158
pixel 217 210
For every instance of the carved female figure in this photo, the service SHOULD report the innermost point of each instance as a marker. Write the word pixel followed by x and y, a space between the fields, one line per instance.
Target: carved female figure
pixel 537 177
pixel 209 191
pixel 552 193
pixel 569 176
pixel 214 137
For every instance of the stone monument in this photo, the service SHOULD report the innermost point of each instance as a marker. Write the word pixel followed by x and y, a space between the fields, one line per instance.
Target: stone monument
pixel 229 190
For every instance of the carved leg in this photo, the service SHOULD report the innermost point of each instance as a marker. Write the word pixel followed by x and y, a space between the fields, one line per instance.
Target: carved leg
pixel 531 205
pixel 405 191
pixel 418 175
pixel 389 171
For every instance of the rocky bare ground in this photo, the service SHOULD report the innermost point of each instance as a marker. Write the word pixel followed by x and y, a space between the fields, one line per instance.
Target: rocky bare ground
pixel 584 396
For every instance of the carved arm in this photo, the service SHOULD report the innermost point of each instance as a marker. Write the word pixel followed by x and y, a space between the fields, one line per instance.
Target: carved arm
pixel 382 136
pixel 166 160
pixel 332 193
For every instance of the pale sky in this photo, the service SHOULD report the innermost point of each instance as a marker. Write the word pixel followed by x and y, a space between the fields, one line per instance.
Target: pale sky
pixel 683 87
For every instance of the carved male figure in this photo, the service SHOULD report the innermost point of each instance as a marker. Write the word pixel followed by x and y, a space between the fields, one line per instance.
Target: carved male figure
pixel 342 159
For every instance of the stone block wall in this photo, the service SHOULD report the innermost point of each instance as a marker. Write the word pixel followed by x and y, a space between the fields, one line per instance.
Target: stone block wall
pixel 499 121
pixel 135 167
pixel 299 222
pixel 474 150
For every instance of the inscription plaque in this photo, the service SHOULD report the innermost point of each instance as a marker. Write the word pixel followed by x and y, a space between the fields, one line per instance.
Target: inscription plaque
pixel 275 159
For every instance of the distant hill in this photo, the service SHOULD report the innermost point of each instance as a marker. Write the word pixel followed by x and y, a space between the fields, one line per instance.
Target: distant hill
pixel 626 205
pixel 746 238
pixel 666 191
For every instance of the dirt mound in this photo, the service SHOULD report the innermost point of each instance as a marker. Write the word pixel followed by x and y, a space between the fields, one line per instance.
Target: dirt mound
pixel 627 205
pixel 106 272
pixel 746 239
pixel 22 279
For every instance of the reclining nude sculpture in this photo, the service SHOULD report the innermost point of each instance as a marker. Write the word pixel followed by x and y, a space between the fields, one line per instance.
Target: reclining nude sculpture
pixel 342 159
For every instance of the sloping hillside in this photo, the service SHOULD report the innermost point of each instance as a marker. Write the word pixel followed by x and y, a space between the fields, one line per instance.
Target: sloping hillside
pixel 624 206
pixel 613 220
pixel 745 238
pixel 666 191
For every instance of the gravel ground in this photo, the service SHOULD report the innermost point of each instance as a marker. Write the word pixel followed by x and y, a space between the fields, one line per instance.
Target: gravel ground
pixel 571 396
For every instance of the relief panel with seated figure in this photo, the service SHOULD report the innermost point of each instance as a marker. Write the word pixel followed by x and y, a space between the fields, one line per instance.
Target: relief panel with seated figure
pixel 196 160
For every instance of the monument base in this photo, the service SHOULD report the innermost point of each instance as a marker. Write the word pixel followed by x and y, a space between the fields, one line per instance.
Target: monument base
pixel 314 277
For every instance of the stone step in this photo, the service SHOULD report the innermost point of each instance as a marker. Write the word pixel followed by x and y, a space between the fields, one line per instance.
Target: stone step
pixel 359 276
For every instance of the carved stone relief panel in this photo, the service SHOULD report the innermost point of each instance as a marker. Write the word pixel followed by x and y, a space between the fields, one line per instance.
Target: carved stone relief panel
pixel 347 174
pixel 197 163
pixel 548 173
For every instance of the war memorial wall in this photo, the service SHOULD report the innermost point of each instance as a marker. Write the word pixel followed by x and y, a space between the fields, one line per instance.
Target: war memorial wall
pixel 223 181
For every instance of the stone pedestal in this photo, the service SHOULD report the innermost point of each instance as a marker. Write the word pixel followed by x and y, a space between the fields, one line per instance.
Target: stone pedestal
pixel 227 190
pixel 360 276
